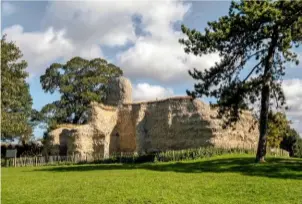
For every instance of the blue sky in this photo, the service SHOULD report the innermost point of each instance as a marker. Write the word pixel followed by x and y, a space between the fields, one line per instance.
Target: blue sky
pixel 139 37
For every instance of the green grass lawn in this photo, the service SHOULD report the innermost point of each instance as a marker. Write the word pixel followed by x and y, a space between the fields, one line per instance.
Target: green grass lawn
pixel 223 179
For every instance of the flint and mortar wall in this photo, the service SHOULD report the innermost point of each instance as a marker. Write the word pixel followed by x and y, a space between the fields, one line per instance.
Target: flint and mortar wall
pixel 170 124
pixel 93 138
pixel 179 123
pixel 68 139
pixel 159 125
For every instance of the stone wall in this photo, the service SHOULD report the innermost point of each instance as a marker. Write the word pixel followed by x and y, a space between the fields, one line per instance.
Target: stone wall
pixel 180 123
pixel 143 127
pixel 74 138
pixel 92 138
pixel 119 91
pixel 171 124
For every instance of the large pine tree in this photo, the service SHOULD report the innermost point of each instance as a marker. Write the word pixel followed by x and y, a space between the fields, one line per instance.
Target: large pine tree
pixel 259 32
pixel 16 102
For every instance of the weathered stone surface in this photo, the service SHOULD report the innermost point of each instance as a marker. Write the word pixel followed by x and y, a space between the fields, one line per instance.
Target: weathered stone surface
pixel 68 139
pixel 119 91
pixel 180 123
pixel 169 124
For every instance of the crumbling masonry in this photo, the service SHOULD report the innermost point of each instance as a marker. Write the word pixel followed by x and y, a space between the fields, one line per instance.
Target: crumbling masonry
pixel 121 125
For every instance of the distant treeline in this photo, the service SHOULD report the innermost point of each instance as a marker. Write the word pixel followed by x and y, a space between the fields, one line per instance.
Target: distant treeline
pixel 29 149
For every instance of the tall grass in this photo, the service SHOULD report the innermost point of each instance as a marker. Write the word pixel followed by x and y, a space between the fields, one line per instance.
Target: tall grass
pixel 205 152
pixel 198 153
pixel 186 154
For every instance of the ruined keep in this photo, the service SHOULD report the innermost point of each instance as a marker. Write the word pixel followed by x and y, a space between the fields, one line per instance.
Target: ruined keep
pixel 121 125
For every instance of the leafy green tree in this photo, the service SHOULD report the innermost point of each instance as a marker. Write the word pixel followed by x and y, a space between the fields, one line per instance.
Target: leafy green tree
pixel 292 142
pixel 260 32
pixel 79 82
pixel 298 148
pixel 16 102
pixel 280 134
pixel 278 128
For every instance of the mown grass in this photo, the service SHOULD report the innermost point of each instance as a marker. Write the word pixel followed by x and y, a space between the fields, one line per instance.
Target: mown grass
pixel 222 179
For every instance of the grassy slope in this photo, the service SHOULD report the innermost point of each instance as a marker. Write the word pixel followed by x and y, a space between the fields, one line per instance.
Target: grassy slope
pixel 224 179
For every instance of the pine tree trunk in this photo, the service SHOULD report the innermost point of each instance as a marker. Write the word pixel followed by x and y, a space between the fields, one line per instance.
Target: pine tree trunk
pixel 261 151
pixel 265 99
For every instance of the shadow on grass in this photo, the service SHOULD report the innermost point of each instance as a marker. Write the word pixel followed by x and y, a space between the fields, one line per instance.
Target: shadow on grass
pixel 274 168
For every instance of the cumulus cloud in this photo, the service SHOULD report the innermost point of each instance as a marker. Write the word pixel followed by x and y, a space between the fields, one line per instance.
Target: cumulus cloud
pixel 156 55
pixel 38 48
pixel 89 25
pixel 161 60
pixel 145 91
pixel 293 92
pixel 104 22
pixel 42 48
pixel 8 9
pixel 111 23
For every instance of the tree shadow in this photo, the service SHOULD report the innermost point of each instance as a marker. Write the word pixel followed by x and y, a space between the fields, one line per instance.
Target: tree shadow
pixel 274 168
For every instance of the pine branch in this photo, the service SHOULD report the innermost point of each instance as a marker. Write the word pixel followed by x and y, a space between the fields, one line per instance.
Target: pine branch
pixel 251 72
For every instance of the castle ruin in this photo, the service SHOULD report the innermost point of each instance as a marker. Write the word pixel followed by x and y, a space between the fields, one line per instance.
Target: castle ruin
pixel 121 125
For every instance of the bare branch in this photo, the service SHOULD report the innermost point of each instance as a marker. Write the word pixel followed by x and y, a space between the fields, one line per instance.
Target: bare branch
pixel 276 98
pixel 251 72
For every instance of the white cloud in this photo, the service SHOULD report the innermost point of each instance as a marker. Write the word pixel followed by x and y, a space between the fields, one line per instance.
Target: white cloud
pixel 103 22
pixel 39 48
pixel 90 24
pixel 145 91
pixel 110 22
pixel 161 60
pixel 157 56
pixel 293 92
pixel 88 52
pixel 8 9
pixel 45 47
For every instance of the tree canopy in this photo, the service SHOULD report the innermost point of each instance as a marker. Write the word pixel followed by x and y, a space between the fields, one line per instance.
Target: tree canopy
pixel 259 32
pixel 79 82
pixel 281 134
pixel 278 128
pixel 16 102
pixel 292 142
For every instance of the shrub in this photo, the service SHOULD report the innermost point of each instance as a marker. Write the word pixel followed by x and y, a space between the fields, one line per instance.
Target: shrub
pixel 198 153
pixel 179 155
pixel 298 148
pixel 205 152
pixel 30 149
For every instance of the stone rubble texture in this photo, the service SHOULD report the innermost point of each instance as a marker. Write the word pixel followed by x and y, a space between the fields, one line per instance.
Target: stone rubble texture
pixel 121 125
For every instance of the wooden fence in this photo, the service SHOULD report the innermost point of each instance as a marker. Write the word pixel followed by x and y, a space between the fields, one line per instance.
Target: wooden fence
pixel 115 157
pixel 55 160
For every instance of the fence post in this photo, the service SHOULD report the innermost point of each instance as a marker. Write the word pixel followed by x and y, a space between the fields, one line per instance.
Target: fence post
pixel 173 155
